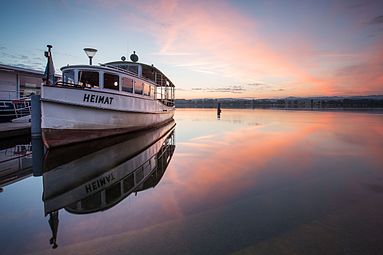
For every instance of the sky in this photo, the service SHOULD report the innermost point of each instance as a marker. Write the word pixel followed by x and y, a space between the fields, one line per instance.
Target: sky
pixel 211 49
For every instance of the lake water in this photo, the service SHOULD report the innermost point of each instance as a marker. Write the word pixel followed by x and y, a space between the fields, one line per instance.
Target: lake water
pixel 250 182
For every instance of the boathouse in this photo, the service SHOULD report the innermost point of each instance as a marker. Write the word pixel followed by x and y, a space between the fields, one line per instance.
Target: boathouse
pixel 17 83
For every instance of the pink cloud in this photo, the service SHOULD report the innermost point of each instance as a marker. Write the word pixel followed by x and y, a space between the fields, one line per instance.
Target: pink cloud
pixel 215 38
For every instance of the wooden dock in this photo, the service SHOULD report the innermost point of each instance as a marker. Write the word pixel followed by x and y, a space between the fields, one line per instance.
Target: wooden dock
pixel 10 129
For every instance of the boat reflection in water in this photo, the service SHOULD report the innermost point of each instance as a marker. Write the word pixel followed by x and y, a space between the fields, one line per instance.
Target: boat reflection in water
pixel 15 161
pixel 95 176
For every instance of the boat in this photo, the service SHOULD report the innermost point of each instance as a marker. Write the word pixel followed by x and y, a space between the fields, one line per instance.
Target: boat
pixel 80 180
pixel 91 102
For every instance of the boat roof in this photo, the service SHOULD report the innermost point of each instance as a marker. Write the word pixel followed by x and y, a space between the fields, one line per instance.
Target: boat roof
pixel 150 68
pixel 147 71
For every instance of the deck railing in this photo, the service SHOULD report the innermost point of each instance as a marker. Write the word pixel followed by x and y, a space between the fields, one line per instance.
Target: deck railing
pixel 167 102
pixel 22 107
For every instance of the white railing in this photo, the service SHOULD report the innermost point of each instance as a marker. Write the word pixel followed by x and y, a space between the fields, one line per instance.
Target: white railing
pixel 22 107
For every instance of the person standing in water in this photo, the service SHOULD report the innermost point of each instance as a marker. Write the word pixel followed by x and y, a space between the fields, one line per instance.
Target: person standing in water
pixel 219 110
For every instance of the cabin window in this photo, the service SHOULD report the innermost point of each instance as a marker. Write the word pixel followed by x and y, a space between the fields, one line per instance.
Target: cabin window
pixel 138 88
pixel 146 168
pixel 125 67
pixel 113 193
pixel 68 77
pixel 88 79
pixel 129 183
pixel 130 68
pixel 133 69
pixel 146 90
pixel 72 206
pixel 111 81
pixel 139 174
pixel 92 202
pixel 160 93
pixel 127 84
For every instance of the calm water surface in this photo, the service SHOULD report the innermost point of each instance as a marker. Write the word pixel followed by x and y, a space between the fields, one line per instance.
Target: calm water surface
pixel 251 182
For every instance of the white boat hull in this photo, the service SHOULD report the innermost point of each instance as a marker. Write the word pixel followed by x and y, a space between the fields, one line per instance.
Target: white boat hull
pixel 71 115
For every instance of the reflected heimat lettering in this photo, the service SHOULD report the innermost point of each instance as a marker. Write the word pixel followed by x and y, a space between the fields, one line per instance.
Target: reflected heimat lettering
pixel 99 183
pixel 97 99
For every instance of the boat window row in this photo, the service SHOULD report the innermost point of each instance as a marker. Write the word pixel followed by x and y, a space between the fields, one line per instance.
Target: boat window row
pixel 116 191
pixel 129 67
pixel 91 79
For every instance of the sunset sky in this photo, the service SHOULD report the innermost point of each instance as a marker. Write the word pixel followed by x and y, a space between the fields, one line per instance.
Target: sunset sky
pixel 211 49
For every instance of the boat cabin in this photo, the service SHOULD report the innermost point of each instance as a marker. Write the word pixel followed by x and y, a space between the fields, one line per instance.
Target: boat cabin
pixel 122 76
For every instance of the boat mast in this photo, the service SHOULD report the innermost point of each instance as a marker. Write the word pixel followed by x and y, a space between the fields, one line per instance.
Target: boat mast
pixel 49 74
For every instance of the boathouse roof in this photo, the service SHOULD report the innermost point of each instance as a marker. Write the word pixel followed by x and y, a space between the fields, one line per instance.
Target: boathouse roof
pixel 22 70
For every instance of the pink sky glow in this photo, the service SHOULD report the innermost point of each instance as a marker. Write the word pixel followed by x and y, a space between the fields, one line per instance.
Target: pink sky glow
pixel 215 49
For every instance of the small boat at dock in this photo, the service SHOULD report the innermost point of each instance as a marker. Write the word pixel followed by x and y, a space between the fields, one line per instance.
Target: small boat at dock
pixel 91 102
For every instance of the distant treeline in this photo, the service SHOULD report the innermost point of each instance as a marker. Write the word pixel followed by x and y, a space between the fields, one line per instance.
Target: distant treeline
pixel 317 103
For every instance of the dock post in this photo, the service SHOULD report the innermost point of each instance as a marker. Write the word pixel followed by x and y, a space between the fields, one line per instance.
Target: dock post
pixel 36 116
pixel 37 156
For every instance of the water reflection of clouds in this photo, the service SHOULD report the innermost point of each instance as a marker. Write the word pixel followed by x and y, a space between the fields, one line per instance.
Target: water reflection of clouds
pixel 218 169
pixel 298 176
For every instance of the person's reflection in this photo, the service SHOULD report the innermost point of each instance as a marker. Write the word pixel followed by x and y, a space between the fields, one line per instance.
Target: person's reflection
pixel 54 224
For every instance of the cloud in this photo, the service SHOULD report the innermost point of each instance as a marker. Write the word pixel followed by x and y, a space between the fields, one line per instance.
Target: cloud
pixel 181 89
pixel 365 77
pixel 229 89
pixel 172 53
pixel 217 39
pixel 377 20
pixel 256 84
pixel 261 87
pixel 215 35
pixel 30 61
pixel 7 55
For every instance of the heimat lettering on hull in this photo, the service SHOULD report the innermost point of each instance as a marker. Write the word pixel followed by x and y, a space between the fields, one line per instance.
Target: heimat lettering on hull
pixel 91 101
pixel 99 183
pixel 97 99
